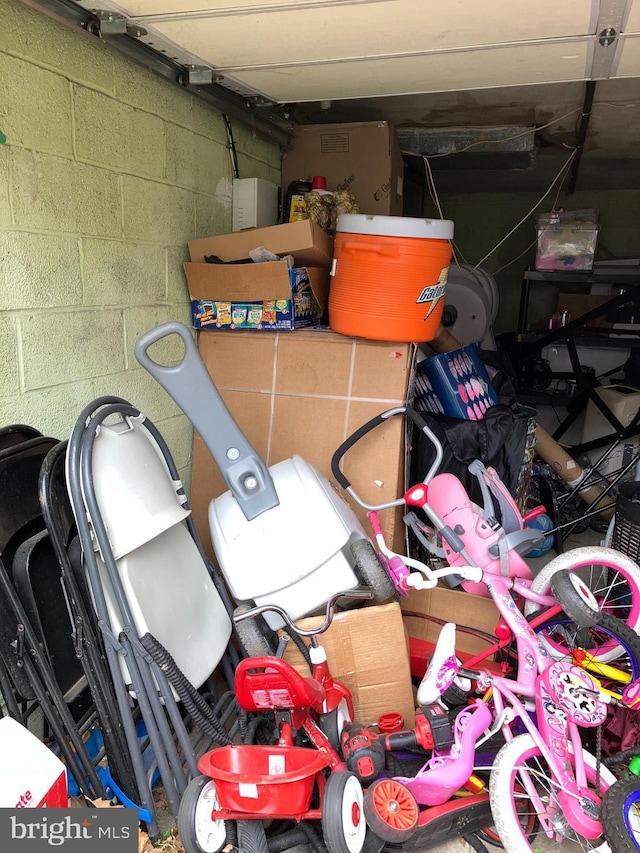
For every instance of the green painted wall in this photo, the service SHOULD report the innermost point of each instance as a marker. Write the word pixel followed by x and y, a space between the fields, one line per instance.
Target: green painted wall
pixel 107 172
pixel 482 220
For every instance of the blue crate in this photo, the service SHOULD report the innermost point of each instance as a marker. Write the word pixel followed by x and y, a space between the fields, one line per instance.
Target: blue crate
pixel 455 384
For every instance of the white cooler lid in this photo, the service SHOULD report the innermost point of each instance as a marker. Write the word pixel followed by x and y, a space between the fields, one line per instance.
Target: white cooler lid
pixel 395 226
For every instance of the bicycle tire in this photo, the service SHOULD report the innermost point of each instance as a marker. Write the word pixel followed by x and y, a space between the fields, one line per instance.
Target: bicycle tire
pixel 371 572
pixel 613 577
pixel 255 635
pixel 560 638
pixel 621 815
pixel 506 805
pixel 572 595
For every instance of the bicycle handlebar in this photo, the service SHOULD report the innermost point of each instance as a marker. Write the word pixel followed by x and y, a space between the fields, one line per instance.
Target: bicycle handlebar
pixel 305 632
pixel 348 443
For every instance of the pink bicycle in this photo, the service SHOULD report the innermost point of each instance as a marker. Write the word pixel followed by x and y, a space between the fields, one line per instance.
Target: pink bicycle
pixel 545 777
pixel 461 533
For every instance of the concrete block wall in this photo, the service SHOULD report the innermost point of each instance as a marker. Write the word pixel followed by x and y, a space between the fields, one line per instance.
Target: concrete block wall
pixel 107 172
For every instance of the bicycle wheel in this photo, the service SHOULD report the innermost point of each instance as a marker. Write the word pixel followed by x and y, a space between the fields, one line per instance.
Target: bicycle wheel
pixel 254 633
pixel 370 570
pixel 563 638
pixel 611 576
pixel 621 815
pixel 391 810
pixel 520 764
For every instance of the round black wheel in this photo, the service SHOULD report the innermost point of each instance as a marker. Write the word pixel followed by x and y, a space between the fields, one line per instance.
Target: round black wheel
pixel 332 723
pixel 198 832
pixel 575 598
pixel 343 825
pixel 370 570
pixel 251 837
pixel 457 692
pixel 391 810
pixel 621 815
pixel 254 633
pixel 564 639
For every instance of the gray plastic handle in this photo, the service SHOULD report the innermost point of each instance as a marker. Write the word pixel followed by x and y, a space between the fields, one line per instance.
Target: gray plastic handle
pixel 190 386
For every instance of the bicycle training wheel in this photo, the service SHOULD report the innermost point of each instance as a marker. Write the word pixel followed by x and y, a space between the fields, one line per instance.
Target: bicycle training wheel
pixel 612 577
pixel 621 815
pixel 391 810
pixel 564 639
pixel 519 766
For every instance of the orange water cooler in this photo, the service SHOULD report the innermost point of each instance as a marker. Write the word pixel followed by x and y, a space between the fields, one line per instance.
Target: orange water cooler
pixel 389 277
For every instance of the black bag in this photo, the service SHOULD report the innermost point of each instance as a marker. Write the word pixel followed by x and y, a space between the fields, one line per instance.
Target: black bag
pixel 499 441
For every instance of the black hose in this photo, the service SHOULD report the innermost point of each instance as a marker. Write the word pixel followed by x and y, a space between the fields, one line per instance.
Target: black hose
pixel 474 843
pixel 621 757
pixel 290 838
pixel 302 647
pixel 194 704
pixel 314 838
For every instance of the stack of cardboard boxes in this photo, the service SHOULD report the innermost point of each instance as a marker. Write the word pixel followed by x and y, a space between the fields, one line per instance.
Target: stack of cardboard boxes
pixel 295 387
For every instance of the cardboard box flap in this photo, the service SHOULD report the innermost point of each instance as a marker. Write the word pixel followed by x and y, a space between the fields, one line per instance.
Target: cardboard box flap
pixel 239 283
pixel 306 241
pixel 319 281
pixel 367 651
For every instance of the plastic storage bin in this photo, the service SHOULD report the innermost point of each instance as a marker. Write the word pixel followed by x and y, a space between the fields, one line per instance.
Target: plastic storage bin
pixel 454 383
pixel 566 240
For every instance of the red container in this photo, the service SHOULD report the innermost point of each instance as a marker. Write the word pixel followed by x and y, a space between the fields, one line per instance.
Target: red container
pixel 269 780
pixel 389 276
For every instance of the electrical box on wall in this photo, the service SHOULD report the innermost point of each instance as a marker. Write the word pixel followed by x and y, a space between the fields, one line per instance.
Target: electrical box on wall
pixel 255 203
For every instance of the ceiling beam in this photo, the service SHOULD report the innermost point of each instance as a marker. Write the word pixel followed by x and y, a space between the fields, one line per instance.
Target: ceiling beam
pixel 257 115
pixel 612 17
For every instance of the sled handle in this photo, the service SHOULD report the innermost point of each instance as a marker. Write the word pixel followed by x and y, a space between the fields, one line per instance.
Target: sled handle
pixel 188 383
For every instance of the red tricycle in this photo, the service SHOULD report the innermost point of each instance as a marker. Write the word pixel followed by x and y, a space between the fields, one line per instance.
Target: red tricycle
pixel 249 783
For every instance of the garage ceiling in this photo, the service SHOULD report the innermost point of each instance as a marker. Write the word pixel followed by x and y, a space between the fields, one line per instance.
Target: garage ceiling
pixel 423 64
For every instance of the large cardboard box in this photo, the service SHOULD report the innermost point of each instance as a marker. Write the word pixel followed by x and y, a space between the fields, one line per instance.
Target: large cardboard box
pixel 361 157
pixel 450 605
pixel 304 240
pixel 367 651
pixel 305 393
pixel 265 296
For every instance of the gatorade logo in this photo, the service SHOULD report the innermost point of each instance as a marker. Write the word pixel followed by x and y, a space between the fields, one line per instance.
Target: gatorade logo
pixel 431 293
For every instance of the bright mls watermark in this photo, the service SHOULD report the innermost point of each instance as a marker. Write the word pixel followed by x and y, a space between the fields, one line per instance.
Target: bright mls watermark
pixel 109 830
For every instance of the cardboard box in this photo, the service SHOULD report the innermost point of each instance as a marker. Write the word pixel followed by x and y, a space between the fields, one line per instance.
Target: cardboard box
pixel 309 245
pixel 367 651
pixel 361 157
pixel 266 296
pixel 452 605
pixel 577 304
pixel 305 393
